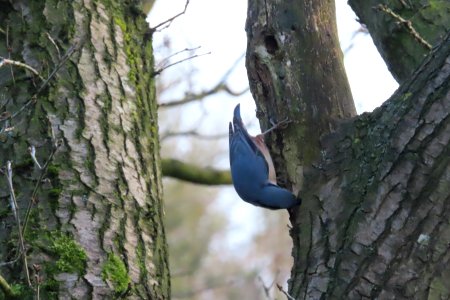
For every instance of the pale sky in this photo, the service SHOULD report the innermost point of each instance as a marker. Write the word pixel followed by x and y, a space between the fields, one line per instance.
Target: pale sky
pixel 218 27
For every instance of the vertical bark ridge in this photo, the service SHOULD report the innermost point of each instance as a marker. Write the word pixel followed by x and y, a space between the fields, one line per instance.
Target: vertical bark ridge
pixel 107 171
pixel 385 206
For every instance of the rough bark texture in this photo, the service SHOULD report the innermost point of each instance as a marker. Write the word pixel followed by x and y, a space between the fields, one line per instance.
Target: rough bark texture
pixel 291 52
pixel 374 222
pixel 399 29
pixel 96 227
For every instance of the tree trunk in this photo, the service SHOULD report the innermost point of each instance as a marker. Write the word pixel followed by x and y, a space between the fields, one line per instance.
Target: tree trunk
pixel 296 71
pixel 95 225
pixel 376 197
pixel 404 31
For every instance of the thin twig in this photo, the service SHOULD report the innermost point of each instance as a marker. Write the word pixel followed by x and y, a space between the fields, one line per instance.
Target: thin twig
pixel 38 183
pixel 9 52
pixel 45 83
pixel 170 20
pixel 193 133
pixel 157 72
pixel 14 207
pixel 195 97
pixel 54 44
pixel 6 61
pixel 220 86
pixel 233 67
pixel 32 151
pixel 164 60
pixel 265 288
pixel 8 263
pixel 37 279
pixel 284 292
pixel 406 23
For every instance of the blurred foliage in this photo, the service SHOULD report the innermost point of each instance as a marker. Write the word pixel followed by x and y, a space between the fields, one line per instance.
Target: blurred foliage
pixel 204 262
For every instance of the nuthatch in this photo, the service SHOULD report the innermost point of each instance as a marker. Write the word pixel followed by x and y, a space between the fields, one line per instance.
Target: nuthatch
pixel 252 169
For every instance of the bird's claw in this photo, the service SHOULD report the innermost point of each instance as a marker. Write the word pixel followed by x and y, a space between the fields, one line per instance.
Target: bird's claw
pixel 280 125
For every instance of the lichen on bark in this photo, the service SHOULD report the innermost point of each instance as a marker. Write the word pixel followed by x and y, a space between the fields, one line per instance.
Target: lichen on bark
pixel 104 182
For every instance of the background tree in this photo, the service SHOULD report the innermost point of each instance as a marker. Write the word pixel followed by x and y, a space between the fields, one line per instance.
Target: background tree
pixel 85 212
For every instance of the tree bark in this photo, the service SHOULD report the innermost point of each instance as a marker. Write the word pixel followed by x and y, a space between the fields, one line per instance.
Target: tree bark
pixel 296 71
pixel 404 31
pixel 375 223
pixel 95 226
pixel 376 198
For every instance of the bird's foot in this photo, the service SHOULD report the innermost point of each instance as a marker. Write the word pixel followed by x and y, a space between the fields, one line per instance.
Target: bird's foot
pixel 280 125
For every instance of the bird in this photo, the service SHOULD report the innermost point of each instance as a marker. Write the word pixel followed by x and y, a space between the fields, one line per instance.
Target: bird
pixel 252 170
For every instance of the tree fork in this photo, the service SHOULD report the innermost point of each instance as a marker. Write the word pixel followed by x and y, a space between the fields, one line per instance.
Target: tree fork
pixel 374 220
pixel 379 226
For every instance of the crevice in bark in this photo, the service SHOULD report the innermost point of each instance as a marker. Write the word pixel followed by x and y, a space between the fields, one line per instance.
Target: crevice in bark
pixel 396 183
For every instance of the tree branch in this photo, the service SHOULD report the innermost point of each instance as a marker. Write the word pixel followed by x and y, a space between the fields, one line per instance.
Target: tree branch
pixel 196 97
pixel 221 86
pixel 6 288
pixel 401 33
pixel 193 133
pixel 6 61
pixel 14 208
pixel 170 20
pixel 159 71
pixel 406 23
pixel 195 174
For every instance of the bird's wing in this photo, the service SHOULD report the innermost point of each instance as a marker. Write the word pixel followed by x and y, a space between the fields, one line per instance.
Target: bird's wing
pixel 242 144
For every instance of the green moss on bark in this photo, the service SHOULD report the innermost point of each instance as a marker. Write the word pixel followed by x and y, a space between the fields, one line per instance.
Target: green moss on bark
pixel 71 256
pixel 115 272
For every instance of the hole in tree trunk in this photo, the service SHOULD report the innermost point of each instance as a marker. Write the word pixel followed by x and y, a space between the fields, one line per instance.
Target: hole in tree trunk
pixel 271 44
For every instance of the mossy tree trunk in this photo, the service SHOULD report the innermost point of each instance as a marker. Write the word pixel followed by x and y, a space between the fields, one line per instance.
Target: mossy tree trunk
pixel 374 222
pixel 404 31
pixel 95 227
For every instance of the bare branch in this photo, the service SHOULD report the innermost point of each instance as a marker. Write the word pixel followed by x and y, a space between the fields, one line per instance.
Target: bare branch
pixel 8 48
pixel 6 61
pixel 195 174
pixel 219 87
pixel 265 288
pixel 284 292
pixel 54 44
pixel 32 151
pixel 361 30
pixel 169 21
pixel 6 288
pixel 196 97
pixel 157 72
pixel 193 133
pixel 406 23
pixel 63 60
pixel 166 59
pixel 38 183
pixel 14 207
